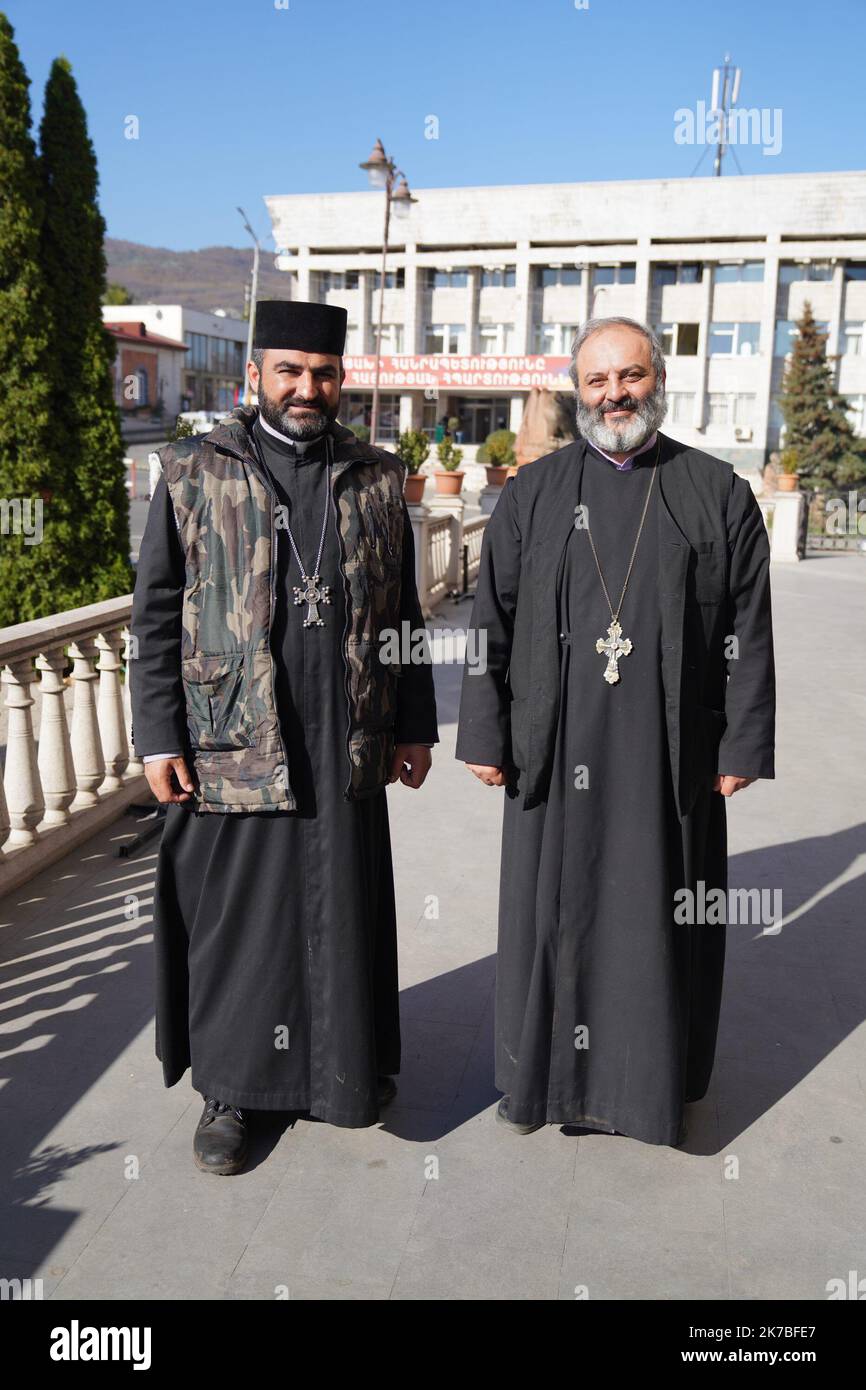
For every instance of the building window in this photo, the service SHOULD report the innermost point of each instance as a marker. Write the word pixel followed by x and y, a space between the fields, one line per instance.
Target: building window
pixel 392 337
pixel 323 281
pixel 356 409
pixel 786 332
pixel 678 339
pixel 495 338
pixel 855 270
pixel 852 343
pixel 745 270
pixel 480 416
pixel 717 409
pixel 444 337
pixel 734 339
pixel 790 273
pixel 504 276
pixel 545 276
pixel 454 279
pixel 613 275
pixel 394 279
pixel 684 273
pixel 197 355
pixel 681 407
pixel 553 339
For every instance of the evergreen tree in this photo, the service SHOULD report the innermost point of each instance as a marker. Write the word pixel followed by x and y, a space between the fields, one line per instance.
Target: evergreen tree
pixel 830 455
pixel 73 259
pixel 34 498
pixel 116 294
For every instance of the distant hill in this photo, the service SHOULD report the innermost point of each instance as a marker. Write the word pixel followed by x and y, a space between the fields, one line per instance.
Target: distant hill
pixel 213 278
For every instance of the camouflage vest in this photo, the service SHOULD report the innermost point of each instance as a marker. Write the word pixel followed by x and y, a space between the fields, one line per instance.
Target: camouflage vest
pixel 224 508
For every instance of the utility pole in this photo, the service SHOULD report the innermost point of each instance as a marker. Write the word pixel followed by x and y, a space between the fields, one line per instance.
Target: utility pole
pixel 252 307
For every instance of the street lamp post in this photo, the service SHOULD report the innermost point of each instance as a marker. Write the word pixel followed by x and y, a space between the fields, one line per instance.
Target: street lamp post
pixel 247 391
pixel 383 173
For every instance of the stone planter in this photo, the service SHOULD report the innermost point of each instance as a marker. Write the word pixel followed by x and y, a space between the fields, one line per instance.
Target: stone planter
pixel 448 484
pixel 413 488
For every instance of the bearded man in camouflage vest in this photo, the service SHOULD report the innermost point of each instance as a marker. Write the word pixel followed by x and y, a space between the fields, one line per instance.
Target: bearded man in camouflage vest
pixel 276 563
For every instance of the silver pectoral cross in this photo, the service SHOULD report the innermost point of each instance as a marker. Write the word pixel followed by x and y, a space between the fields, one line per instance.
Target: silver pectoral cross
pixel 615 647
pixel 312 592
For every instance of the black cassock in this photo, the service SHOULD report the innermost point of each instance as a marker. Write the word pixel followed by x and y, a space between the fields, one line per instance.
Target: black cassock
pixel 606 1008
pixel 275 932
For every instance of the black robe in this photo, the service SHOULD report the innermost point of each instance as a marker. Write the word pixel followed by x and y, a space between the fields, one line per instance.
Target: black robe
pixel 276 948
pixel 606 1008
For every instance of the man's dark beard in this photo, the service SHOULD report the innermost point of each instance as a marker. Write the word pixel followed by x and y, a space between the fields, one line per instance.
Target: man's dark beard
pixel 300 427
pixel 646 416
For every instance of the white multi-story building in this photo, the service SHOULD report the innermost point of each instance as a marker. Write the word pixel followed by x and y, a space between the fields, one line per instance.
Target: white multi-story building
pixel 485 289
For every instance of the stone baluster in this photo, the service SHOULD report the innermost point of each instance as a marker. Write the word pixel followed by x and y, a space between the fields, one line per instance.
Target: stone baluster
pixel 110 713
pixel 4 815
pixel 55 752
pixel 86 747
pixel 23 788
pixel 130 652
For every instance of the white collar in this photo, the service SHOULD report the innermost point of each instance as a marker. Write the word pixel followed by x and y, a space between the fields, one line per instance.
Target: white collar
pixel 302 445
pixel 626 465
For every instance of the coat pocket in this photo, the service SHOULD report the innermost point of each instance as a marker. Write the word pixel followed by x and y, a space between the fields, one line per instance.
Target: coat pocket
pixel 218 715
pixel 520 712
pixel 707 571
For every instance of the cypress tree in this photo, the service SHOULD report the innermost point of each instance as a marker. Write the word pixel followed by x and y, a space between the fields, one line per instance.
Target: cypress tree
pixel 34 497
pixel 73 259
pixel 817 428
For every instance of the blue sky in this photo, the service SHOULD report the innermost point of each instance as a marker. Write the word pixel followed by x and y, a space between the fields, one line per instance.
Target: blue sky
pixel 238 98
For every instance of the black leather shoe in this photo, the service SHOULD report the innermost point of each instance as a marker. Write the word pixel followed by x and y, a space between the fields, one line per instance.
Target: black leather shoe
pixel 387 1089
pixel 502 1117
pixel 220 1142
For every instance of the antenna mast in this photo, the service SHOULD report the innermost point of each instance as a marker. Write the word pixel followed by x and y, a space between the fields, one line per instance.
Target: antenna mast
pixel 726 89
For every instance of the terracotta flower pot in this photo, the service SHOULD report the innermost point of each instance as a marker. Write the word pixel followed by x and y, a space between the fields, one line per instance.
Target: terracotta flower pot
pixel 787 482
pixel 413 488
pixel 448 484
pixel 496 474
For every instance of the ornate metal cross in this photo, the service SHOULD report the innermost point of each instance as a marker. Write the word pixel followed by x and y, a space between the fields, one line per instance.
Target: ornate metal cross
pixel 615 647
pixel 312 592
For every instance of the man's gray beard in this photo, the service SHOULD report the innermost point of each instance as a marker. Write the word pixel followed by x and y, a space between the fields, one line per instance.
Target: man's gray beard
pixel 293 427
pixel 622 439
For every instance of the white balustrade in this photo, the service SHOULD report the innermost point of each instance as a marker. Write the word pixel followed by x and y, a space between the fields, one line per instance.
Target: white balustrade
pixel 66 778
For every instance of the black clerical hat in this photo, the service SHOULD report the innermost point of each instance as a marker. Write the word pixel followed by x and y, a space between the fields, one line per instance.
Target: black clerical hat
pixel 286 323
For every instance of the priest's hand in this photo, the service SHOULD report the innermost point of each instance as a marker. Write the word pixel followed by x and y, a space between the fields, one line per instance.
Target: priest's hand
pixel 410 764
pixel 490 776
pixel 159 779
pixel 728 785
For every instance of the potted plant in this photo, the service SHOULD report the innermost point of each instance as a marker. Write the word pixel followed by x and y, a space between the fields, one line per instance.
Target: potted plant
pixel 789 463
pixel 449 478
pixel 413 447
pixel 497 455
pixel 454 428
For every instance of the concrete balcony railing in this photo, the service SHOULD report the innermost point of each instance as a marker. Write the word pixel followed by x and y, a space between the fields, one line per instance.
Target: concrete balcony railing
pixel 70 768
pixel 440 540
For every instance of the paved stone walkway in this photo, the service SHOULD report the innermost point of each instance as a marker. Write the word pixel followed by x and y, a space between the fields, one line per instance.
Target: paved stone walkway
pixel 766 1200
